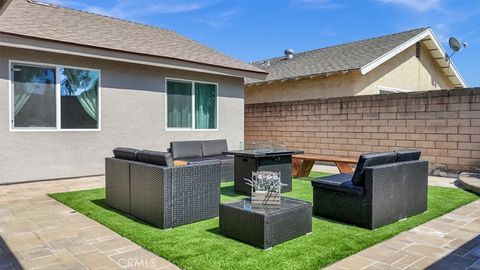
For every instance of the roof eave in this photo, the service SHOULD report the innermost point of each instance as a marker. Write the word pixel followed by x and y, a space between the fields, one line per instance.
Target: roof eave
pixel 36 43
pixel 310 76
pixel 428 33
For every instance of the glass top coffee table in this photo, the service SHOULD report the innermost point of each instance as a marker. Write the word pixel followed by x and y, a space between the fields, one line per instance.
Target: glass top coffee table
pixel 265 226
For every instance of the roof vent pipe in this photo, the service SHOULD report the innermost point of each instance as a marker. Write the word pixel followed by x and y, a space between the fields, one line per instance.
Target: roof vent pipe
pixel 289 53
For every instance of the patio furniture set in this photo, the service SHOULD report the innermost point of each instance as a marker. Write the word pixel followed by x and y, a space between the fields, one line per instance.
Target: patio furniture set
pixel 182 186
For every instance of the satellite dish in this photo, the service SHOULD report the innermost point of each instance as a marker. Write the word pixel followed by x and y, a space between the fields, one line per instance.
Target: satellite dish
pixel 454 44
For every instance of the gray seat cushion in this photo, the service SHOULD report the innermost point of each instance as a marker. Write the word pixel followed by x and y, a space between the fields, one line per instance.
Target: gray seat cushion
pixel 368 160
pixel 195 160
pixel 154 157
pixel 126 153
pixel 214 147
pixel 223 159
pixel 186 149
pixel 408 155
pixel 339 182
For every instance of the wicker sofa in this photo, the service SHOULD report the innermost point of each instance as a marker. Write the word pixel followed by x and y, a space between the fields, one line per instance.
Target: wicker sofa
pixel 193 152
pixel 146 185
pixel 385 188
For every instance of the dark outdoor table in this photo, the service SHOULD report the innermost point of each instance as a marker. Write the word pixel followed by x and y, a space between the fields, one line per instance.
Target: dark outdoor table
pixel 248 161
pixel 265 226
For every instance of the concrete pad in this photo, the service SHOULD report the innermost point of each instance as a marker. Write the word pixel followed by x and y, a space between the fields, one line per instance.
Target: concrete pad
pixel 470 181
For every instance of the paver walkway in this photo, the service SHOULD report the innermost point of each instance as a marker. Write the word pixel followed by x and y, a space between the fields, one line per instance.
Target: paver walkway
pixel 448 242
pixel 37 232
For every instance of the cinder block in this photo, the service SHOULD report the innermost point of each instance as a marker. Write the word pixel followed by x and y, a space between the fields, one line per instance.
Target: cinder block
pixel 458 138
pixel 459 122
pixel 436 137
pixel 468 146
pixel 425 144
pixel 459 153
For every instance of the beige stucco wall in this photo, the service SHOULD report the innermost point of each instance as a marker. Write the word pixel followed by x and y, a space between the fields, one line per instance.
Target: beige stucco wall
pixel 132 115
pixel 431 75
pixel 404 71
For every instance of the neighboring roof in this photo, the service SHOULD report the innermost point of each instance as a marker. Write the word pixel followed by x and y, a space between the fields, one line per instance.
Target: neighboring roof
pixel 28 18
pixel 362 55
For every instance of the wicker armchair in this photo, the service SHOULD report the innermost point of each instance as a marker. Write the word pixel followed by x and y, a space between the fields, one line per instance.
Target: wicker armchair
pixel 391 188
pixel 164 196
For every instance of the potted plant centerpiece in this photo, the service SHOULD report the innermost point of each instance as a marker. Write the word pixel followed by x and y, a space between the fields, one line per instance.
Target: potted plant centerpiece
pixel 266 188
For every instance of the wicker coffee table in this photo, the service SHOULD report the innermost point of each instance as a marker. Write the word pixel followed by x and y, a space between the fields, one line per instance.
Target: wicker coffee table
pixel 265 226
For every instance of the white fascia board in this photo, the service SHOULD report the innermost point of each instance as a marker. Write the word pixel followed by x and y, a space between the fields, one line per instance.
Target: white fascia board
pixel 382 59
pixel 427 33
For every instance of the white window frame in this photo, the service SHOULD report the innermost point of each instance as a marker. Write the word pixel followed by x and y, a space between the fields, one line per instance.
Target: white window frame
pixel 58 127
pixel 193 82
pixel 392 89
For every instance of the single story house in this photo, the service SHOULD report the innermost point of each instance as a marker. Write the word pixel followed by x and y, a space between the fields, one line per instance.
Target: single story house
pixel 409 61
pixel 74 85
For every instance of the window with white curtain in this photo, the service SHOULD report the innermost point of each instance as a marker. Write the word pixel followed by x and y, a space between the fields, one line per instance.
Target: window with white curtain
pixel 34 98
pixel 48 97
pixel 191 105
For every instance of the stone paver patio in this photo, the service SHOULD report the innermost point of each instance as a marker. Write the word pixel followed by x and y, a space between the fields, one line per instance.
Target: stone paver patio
pixel 37 232
pixel 448 242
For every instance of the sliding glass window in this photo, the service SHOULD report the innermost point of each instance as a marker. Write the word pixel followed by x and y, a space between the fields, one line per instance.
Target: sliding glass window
pixel 205 106
pixel 33 97
pixel 54 98
pixel 191 105
pixel 179 104
pixel 79 98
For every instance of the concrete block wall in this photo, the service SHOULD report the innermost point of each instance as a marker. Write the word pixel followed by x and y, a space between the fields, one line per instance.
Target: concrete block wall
pixel 443 124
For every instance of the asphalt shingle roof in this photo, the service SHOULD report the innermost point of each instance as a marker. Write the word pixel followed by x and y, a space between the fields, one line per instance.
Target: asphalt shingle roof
pixel 32 19
pixel 349 56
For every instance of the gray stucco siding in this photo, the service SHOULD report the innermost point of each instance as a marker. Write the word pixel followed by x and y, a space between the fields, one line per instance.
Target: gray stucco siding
pixel 132 115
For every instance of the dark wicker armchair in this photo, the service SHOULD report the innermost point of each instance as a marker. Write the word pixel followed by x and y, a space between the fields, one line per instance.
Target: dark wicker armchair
pixel 152 190
pixel 385 188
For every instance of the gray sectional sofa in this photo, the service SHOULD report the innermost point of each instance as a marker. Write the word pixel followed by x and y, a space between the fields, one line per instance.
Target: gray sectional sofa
pixel 146 185
pixel 193 152
pixel 385 188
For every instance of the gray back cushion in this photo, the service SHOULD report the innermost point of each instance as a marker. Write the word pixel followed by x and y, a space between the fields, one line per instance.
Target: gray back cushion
pixel 408 155
pixel 368 160
pixel 186 149
pixel 214 147
pixel 125 153
pixel 154 157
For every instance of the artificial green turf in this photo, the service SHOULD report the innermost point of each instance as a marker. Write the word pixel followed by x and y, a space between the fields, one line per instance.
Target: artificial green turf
pixel 199 246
